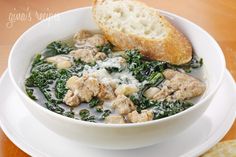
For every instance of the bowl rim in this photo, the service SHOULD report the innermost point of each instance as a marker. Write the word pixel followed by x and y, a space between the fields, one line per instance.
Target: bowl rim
pixel 90 124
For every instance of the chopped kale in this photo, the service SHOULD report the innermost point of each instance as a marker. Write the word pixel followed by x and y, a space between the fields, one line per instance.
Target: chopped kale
pixel 42 76
pixel 48 95
pixel 161 109
pixel 142 68
pixel 54 107
pixel 78 61
pixel 85 115
pixel 140 102
pixel 112 69
pixel 105 114
pixel 69 114
pixel 42 67
pixel 37 79
pixel 90 119
pixel 165 108
pixel 30 81
pixel 56 48
pixel 30 93
pixel 106 48
pixel 37 59
pixel 60 88
pixel 95 102
pixel 155 78
pixel 77 68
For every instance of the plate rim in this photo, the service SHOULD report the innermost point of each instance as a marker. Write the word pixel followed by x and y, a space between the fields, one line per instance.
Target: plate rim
pixel 25 147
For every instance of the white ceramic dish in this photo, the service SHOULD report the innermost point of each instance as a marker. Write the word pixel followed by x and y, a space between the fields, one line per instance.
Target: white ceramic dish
pixel 35 139
pixel 107 135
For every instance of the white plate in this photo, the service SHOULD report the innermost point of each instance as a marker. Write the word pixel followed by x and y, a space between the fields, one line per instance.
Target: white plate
pixel 35 139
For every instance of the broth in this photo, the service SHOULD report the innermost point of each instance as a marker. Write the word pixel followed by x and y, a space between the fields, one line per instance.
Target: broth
pixel 117 66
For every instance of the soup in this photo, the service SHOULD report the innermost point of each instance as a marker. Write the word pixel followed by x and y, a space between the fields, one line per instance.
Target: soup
pixel 89 79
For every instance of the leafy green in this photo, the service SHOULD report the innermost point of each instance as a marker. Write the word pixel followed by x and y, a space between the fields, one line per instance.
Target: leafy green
pixel 85 115
pixel 140 102
pixel 43 67
pixel 90 119
pixel 106 48
pixel 37 59
pixel 153 80
pixel 30 93
pixel 48 95
pixel 165 108
pixel 38 79
pixel 142 68
pixel 60 88
pixel 69 114
pixel 160 109
pixel 112 69
pixel 105 114
pixel 56 48
pixel 42 76
pixel 145 70
pixel 50 80
pixel 77 68
pixel 95 102
pixel 54 107
pixel 79 62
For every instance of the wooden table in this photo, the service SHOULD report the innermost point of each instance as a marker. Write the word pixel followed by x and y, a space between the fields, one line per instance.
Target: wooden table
pixel 216 16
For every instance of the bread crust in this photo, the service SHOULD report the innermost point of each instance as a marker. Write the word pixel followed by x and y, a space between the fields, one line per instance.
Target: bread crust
pixel 174 48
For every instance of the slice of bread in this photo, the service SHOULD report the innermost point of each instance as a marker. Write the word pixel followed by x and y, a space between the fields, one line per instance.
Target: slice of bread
pixel 130 24
pixel 222 149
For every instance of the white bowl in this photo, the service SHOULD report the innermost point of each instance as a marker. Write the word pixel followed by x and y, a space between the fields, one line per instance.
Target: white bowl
pixel 112 136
